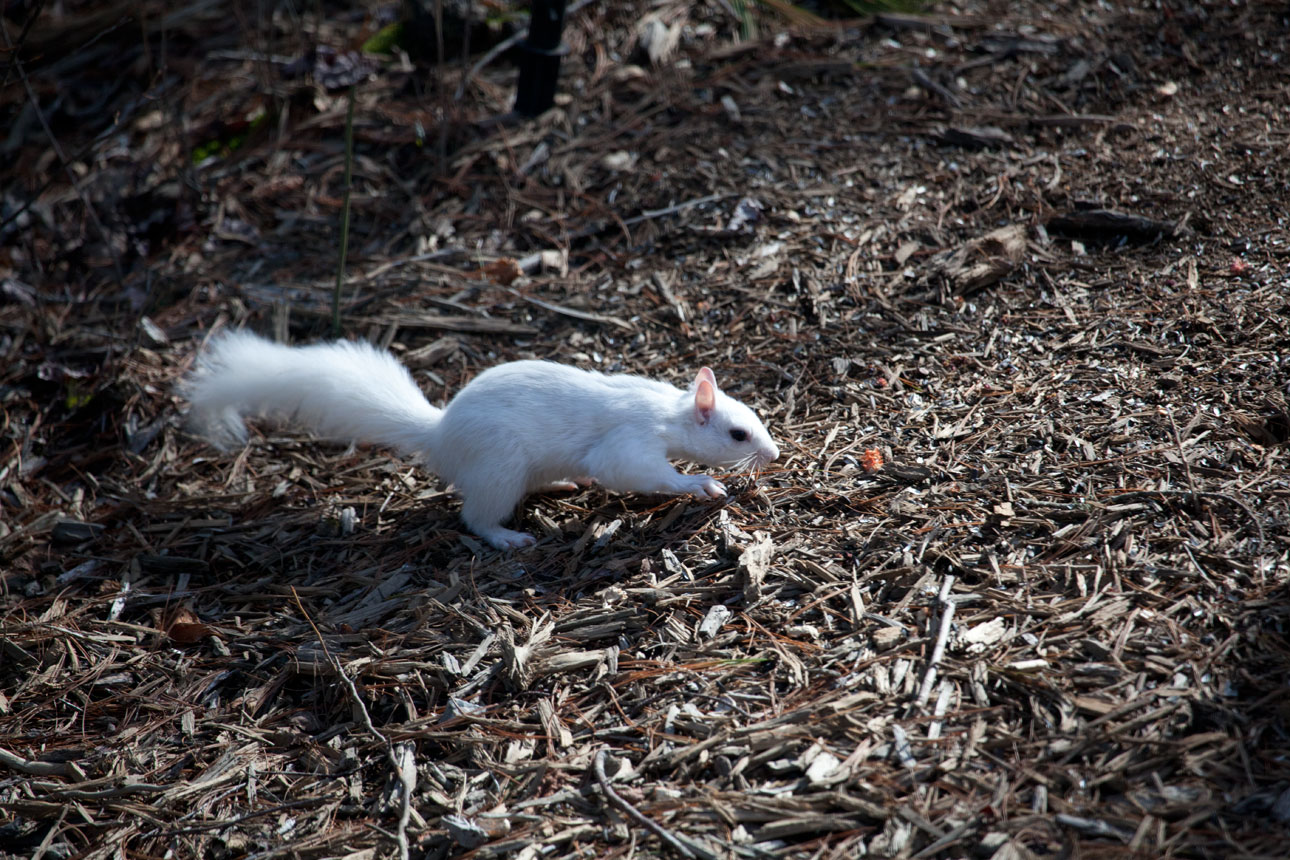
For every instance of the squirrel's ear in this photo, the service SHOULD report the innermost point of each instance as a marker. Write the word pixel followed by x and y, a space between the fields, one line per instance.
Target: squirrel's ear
pixel 705 373
pixel 705 400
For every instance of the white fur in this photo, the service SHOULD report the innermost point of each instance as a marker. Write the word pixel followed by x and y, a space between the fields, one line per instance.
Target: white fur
pixel 514 429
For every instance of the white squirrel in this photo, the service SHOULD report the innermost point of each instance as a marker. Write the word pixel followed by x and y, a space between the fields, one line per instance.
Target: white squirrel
pixel 515 428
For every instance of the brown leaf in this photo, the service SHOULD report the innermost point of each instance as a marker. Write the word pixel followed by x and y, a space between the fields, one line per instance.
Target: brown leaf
pixel 185 628
pixel 981 262
pixel 503 271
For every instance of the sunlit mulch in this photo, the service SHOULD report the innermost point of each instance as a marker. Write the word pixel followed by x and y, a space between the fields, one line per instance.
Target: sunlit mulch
pixel 1052 623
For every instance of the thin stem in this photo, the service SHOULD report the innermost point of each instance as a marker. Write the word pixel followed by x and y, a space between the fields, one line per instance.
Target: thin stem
pixel 344 213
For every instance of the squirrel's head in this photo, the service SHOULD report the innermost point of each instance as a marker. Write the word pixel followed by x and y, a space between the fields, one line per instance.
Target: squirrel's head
pixel 721 431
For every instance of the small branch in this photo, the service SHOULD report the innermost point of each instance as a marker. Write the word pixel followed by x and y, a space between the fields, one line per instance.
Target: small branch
pixel 401 758
pixel 649 215
pixel 672 210
pixel 924 80
pixel 501 48
pixel 904 751
pixel 1173 426
pixel 74 793
pixel 942 636
pixel 1201 494
pixel 36 768
pixel 636 815
pixel 939 711
pixel 602 319
pixel 344 215
pixel 223 823
pixel 52 832
pixel 58 150
pixel 16 47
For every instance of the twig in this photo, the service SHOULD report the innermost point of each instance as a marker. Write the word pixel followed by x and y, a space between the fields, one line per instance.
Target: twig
pixel 903 750
pixel 441 254
pixel 74 793
pixel 233 822
pixel 1227 497
pixel 501 48
pixel 36 768
pixel 1191 482
pixel 52 832
pixel 588 316
pixel 924 80
pixel 672 210
pixel 344 213
pixel 940 709
pixel 942 635
pixel 592 229
pixel 119 118
pixel 22 38
pixel 636 815
pixel 401 759
pixel 58 150
pixel 491 54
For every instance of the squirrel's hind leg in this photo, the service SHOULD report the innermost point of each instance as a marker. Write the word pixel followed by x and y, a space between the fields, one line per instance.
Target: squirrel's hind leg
pixel 484 508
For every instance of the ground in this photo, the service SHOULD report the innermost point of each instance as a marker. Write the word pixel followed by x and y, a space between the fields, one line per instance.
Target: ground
pixel 1007 281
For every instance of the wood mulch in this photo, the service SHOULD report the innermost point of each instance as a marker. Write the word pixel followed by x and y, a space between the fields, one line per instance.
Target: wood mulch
pixel 1034 256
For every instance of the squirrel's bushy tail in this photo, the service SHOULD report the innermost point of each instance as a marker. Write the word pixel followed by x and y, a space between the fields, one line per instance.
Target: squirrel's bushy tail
pixel 348 391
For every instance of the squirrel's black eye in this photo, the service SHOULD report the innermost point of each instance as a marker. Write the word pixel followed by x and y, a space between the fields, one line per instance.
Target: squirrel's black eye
pixel 739 435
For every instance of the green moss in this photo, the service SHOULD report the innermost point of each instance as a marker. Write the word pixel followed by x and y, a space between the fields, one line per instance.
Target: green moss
pixel 384 40
pixel 226 144
pixel 77 396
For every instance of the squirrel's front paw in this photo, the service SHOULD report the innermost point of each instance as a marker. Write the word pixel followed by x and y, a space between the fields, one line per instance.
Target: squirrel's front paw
pixel 707 487
pixel 506 538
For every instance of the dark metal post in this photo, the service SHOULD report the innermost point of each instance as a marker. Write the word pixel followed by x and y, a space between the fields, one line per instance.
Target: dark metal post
pixel 540 57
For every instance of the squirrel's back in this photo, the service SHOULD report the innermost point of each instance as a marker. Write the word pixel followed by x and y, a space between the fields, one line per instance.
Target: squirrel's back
pixel 541 418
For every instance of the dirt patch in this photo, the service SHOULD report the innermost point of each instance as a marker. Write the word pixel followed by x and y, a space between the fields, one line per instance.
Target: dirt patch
pixel 1032 255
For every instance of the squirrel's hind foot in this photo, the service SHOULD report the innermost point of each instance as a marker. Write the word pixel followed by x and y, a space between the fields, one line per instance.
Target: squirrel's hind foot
pixel 502 538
